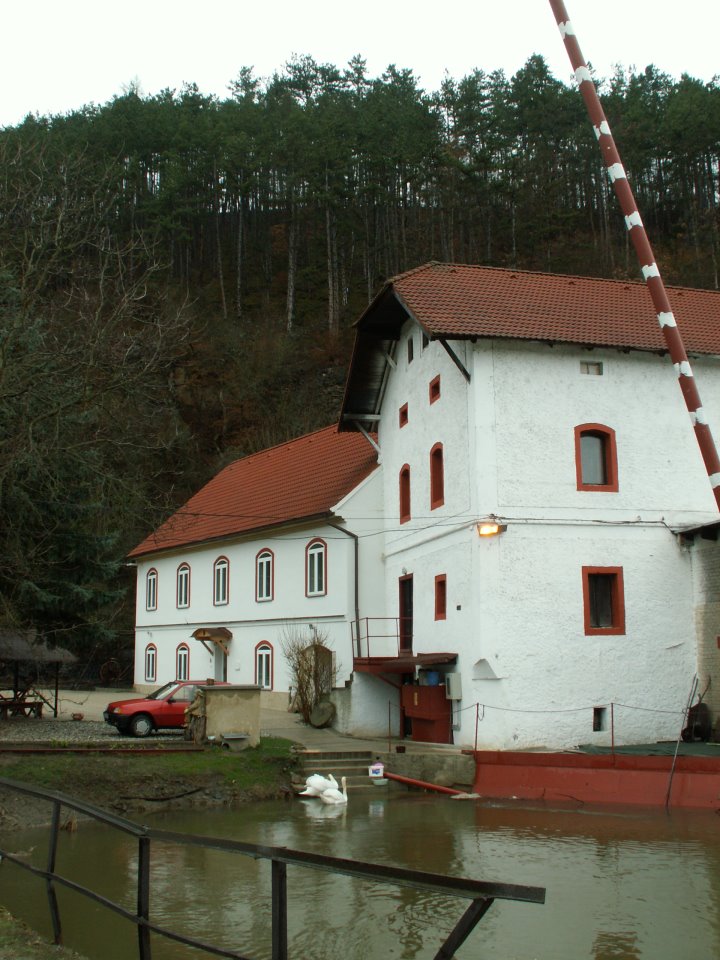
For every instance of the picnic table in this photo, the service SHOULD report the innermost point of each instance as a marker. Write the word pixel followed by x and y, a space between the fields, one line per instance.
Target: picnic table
pixel 20 708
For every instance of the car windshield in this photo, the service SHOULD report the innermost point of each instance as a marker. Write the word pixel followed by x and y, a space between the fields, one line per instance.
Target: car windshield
pixel 164 691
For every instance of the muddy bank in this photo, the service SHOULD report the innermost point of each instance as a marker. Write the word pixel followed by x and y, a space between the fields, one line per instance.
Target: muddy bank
pixel 135 785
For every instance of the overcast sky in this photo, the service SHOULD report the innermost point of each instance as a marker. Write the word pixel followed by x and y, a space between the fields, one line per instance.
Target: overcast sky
pixel 58 56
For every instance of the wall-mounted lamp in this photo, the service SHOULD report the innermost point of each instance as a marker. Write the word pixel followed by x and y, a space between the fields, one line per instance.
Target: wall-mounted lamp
pixel 489 528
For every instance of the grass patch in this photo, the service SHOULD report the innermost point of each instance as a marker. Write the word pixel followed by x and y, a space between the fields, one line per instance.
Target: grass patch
pixel 19 942
pixel 117 781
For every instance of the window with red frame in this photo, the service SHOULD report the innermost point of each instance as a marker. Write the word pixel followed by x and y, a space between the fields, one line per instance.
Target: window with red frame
pixel 151 590
pixel 596 458
pixel 182 662
pixel 150 663
pixel 264 579
pixel 315 567
pixel 437 477
pixel 441 597
pixel 603 601
pixel 403 415
pixel 221 581
pixel 434 389
pixel 264 666
pixel 182 593
pixel 405 494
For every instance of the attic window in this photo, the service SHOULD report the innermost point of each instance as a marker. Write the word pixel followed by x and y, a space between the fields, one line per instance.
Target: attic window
pixel 425 340
pixel 591 369
pixel 434 389
pixel 403 415
pixel 410 349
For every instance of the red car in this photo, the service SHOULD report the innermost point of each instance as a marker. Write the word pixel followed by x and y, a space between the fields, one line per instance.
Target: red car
pixel 164 708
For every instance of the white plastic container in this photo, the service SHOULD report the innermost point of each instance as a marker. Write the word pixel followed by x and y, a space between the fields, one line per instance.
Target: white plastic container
pixel 376 770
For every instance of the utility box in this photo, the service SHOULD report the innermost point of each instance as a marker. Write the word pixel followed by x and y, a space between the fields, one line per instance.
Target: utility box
pixel 453 686
pixel 233 710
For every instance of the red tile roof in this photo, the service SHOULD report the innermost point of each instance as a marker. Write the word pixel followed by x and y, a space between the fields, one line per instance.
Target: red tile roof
pixel 459 301
pixel 297 480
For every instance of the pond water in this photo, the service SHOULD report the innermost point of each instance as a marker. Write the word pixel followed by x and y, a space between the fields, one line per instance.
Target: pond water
pixel 620 884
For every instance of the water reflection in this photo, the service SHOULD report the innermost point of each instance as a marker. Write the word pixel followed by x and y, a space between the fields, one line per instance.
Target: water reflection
pixel 620 885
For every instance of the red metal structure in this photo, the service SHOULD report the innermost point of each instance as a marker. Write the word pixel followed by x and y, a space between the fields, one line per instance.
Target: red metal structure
pixel 644 252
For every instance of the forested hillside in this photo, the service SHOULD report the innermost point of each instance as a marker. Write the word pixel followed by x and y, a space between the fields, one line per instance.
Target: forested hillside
pixel 179 273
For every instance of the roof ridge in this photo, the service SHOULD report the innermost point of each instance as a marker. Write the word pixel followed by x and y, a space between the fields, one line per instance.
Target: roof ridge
pixel 431 264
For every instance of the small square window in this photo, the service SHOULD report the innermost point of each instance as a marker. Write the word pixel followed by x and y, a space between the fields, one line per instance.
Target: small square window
pixel 591 369
pixel 403 415
pixel 599 719
pixel 434 389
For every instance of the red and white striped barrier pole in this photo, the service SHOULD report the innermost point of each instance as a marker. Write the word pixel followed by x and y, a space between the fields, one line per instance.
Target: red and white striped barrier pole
pixel 644 252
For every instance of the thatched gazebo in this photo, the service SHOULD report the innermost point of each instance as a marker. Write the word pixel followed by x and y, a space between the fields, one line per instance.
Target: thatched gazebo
pixel 19 646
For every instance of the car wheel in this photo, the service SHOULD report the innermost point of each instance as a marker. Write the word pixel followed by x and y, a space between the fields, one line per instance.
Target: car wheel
pixel 141 725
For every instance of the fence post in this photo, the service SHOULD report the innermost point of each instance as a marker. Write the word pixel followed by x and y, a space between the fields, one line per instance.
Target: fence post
pixel 143 897
pixel 52 856
pixel 279 910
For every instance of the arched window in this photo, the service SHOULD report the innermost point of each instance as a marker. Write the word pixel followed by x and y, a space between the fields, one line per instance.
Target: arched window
pixel 151 590
pixel 264 576
pixel 405 494
pixel 150 663
pixel 182 662
pixel 437 477
pixel 315 568
pixel 596 458
pixel 264 666
pixel 182 593
pixel 221 578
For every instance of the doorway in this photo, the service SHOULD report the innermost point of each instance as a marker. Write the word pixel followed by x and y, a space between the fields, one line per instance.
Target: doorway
pixel 405 624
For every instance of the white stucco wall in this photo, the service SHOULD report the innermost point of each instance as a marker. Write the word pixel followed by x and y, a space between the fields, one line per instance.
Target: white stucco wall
pixel 515 603
pixel 252 622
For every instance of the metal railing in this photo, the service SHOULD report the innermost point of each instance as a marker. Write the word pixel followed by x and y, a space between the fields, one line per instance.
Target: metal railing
pixel 381 636
pixel 481 894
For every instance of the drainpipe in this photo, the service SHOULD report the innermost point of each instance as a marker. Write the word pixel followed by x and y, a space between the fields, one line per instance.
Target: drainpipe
pixel 356 549
pixel 641 243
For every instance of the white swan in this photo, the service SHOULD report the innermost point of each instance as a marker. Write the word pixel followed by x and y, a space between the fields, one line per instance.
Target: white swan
pixel 316 784
pixel 333 795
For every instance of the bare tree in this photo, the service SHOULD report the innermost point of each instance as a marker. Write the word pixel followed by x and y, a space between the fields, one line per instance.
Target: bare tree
pixel 311 666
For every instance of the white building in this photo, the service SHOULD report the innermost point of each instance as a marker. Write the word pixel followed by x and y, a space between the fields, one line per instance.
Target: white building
pixel 543 405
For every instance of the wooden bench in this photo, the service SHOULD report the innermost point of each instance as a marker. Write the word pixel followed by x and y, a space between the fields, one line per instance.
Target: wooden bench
pixel 20 708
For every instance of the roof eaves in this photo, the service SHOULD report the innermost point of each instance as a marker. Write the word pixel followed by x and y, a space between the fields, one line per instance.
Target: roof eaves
pixel 237 536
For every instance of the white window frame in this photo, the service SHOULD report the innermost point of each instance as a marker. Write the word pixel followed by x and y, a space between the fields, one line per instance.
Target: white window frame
pixel 221 581
pixel 182 662
pixel 264 666
pixel 150 663
pixel 316 569
pixel 264 576
pixel 183 586
pixel 151 589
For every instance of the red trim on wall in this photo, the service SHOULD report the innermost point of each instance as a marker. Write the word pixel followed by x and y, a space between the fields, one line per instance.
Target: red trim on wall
pixel 404 493
pixel 266 643
pixel 150 646
pixel 222 603
pixel 607 435
pixel 441 596
pixel 325 567
pixel 260 553
pixel 437 477
pixel 182 566
pixel 152 572
pixel 178 648
pixel 617 600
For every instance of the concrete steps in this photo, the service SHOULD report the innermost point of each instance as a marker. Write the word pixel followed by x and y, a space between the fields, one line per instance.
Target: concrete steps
pixel 351 764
